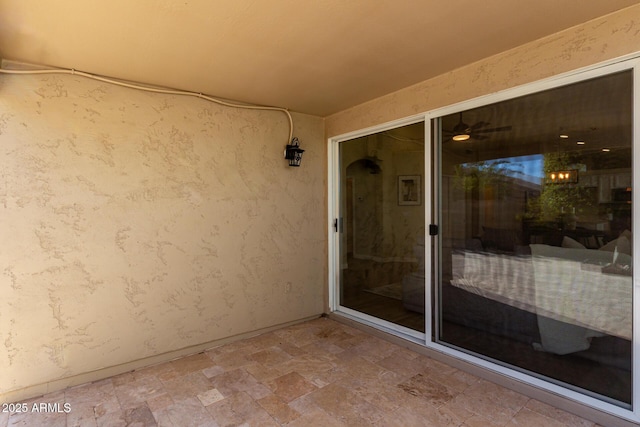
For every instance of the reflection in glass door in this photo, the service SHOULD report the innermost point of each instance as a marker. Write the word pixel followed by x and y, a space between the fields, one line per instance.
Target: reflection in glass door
pixel 382 226
pixel 536 253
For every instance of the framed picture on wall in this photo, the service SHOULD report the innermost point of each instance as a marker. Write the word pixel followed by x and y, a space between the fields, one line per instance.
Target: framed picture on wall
pixel 409 190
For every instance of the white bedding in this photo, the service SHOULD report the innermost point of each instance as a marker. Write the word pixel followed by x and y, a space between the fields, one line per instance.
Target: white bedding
pixel 566 286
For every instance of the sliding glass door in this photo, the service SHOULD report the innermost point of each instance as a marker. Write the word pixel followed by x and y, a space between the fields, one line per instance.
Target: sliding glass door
pixel 381 226
pixel 535 245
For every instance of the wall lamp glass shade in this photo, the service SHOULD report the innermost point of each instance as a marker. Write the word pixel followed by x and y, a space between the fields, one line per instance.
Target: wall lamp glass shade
pixel 293 152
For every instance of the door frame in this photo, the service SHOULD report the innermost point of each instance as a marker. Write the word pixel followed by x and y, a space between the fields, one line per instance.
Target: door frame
pixel 621 64
pixel 432 216
pixel 336 237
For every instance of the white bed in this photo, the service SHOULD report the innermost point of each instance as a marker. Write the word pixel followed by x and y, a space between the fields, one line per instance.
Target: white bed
pixel 577 293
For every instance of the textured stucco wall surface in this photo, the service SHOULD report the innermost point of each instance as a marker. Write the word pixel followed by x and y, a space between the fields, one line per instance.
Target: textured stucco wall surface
pixel 599 40
pixel 135 224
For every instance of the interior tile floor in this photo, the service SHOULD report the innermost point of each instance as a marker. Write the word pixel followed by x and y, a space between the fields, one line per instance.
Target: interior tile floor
pixel 317 373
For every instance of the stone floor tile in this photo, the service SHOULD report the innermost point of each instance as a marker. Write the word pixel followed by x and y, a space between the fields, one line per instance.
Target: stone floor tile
pixel 240 409
pixel 333 335
pixel 298 336
pixel 210 396
pixel 238 347
pixel 493 395
pixel 187 386
pixel 488 406
pixel 81 417
pixel 454 379
pixel 426 389
pixel 161 371
pixel 37 419
pixel 382 395
pixel 310 365
pixel 529 418
pixel 258 391
pixel 231 382
pixel 272 356
pixel 278 409
pixel 123 378
pixel 459 406
pixel 228 361
pixel 160 402
pixel 132 394
pixel 351 342
pixel 345 406
pixel 317 417
pixel 549 411
pixel 322 347
pixel 402 366
pixel 193 363
pixel 324 378
pixel 314 373
pixel 189 412
pixel 363 369
pixel 89 394
pixel 212 371
pixel 291 386
pixel 303 404
pixel 263 373
pixel 112 419
pixel 374 349
pixel 291 349
pixel 162 418
pixel 263 341
pixel 140 416
pixel 107 405
pixel 480 421
pixel 424 416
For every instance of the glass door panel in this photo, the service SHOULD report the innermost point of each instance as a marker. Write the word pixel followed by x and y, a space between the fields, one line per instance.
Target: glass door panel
pixel 382 226
pixel 536 232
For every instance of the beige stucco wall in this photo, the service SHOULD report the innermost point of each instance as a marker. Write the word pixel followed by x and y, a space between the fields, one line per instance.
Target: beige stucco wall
pixel 138 224
pixel 599 40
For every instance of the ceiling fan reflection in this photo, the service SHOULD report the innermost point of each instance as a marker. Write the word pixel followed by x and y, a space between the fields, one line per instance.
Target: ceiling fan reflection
pixel 464 132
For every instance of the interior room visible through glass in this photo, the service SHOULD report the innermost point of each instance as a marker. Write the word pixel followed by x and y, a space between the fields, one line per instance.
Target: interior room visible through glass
pixel 536 234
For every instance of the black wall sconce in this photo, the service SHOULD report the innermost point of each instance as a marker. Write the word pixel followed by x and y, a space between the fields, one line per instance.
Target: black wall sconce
pixel 293 152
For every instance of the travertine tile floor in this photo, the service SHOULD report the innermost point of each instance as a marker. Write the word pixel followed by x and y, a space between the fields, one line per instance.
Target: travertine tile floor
pixel 318 373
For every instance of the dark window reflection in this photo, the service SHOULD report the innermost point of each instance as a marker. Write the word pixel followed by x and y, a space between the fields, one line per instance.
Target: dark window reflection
pixel 536 234
pixel 382 264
